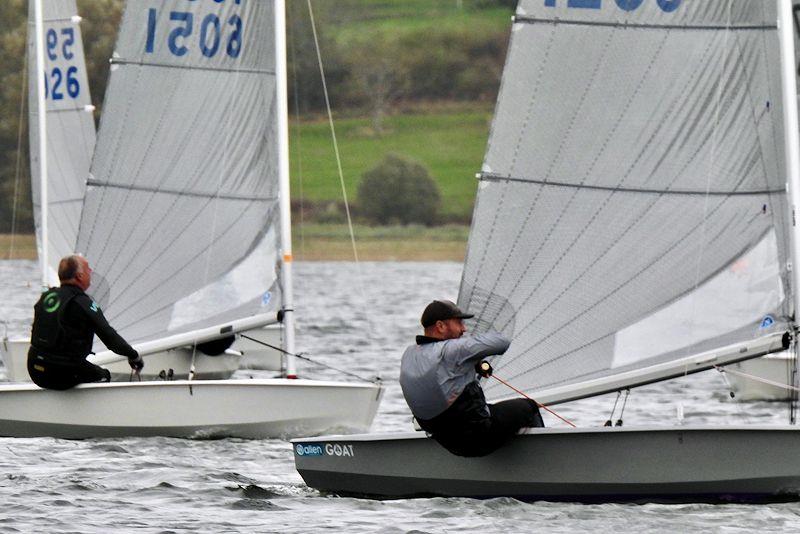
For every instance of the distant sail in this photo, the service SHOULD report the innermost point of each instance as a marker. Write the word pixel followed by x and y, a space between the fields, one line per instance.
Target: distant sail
pixel 631 207
pixel 70 126
pixel 181 216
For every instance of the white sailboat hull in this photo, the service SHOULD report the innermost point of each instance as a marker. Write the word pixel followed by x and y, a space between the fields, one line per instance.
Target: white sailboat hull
pixel 683 464
pixel 15 356
pixel 775 367
pixel 198 409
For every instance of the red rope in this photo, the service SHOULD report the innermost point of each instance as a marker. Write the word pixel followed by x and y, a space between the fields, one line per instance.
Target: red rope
pixel 537 403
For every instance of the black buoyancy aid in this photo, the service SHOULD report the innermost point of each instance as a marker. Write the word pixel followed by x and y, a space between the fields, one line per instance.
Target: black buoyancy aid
pixel 49 334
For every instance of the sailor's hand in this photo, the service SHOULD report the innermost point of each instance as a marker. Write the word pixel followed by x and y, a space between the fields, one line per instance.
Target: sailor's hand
pixel 484 369
pixel 137 363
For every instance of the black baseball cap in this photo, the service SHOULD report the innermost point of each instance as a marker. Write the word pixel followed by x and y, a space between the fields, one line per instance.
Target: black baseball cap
pixel 442 310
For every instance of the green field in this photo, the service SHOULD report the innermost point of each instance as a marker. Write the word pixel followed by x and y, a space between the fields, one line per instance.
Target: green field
pixel 383 243
pixel 449 142
pixel 369 17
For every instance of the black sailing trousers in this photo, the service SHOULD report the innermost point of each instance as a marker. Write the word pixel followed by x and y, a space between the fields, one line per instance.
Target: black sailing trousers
pixel 61 372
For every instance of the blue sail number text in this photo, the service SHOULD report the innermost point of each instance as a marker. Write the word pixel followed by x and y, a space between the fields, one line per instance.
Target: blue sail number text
pixel 57 82
pixel 212 34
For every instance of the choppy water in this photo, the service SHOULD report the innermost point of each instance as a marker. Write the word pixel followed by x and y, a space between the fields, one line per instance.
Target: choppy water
pixel 361 323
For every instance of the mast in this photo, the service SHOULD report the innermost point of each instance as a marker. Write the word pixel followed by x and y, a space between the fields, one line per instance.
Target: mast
pixel 791 136
pixel 283 172
pixel 42 121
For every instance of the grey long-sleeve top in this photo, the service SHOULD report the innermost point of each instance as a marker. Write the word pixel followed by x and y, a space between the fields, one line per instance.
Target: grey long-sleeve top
pixel 433 373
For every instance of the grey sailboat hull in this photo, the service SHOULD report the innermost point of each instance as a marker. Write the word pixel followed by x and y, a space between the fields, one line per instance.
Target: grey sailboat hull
pixel 669 464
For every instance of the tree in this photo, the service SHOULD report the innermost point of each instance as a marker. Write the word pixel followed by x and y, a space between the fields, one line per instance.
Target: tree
pixel 399 190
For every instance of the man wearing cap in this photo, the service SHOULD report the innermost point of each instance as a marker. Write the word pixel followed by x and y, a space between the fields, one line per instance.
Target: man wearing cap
pixel 440 384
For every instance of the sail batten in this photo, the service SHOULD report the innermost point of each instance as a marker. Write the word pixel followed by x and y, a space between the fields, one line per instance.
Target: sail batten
pixel 631 206
pixel 623 189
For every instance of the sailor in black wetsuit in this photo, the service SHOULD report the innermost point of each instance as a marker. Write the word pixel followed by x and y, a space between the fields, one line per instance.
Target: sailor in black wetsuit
pixel 64 324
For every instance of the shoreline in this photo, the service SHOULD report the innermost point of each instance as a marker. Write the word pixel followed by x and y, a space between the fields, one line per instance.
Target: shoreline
pixel 319 242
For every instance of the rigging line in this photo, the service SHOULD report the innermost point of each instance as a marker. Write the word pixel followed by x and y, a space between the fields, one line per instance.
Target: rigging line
pixel 609 422
pixel 757 378
pixel 540 405
pixel 301 356
pixel 738 405
pixel 624 403
pixel 17 170
pixel 333 135
pixel 360 283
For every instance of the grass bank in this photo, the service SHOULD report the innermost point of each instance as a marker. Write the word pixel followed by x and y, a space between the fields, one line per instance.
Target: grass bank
pixel 318 242
pixel 331 242
pixel 18 247
pixel 449 141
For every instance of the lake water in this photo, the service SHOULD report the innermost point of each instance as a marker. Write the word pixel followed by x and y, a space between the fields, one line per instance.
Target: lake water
pixel 359 319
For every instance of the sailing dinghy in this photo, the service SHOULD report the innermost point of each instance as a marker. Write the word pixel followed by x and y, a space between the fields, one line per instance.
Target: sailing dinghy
pixel 185 221
pixel 61 148
pixel 632 225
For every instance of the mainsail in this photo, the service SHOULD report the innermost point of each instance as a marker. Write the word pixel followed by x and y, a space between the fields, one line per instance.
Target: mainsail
pixel 631 206
pixel 181 214
pixel 70 128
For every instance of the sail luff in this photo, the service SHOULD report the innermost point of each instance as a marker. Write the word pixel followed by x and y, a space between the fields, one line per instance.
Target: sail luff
pixel 44 257
pixel 792 136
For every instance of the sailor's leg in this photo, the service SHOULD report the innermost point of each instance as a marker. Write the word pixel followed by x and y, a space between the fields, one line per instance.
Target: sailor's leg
pixel 508 417
pixel 86 372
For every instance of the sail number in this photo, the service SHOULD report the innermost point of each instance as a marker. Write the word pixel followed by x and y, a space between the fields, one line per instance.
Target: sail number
pixel 628 5
pixel 59 83
pixel 212 35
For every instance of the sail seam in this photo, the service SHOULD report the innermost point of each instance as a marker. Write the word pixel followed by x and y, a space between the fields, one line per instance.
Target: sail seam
pixel 638 25
pixel 117 61
pixel 496 177
pixel 178 192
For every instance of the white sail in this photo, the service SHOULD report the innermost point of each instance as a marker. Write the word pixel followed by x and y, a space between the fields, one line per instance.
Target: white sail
pixel 622 221
pixel 181 219
pixel 70 128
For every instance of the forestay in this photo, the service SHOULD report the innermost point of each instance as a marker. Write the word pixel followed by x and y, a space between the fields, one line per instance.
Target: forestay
pixel 631 206
pixel 70 127
pixel 181 212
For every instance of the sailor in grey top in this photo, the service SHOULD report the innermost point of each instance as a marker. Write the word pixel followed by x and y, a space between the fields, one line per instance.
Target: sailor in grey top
pixel 440 384
pixel 433 373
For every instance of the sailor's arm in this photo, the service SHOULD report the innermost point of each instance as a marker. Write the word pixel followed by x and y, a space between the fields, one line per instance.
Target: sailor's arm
pixel 470 349
pixel 112 340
